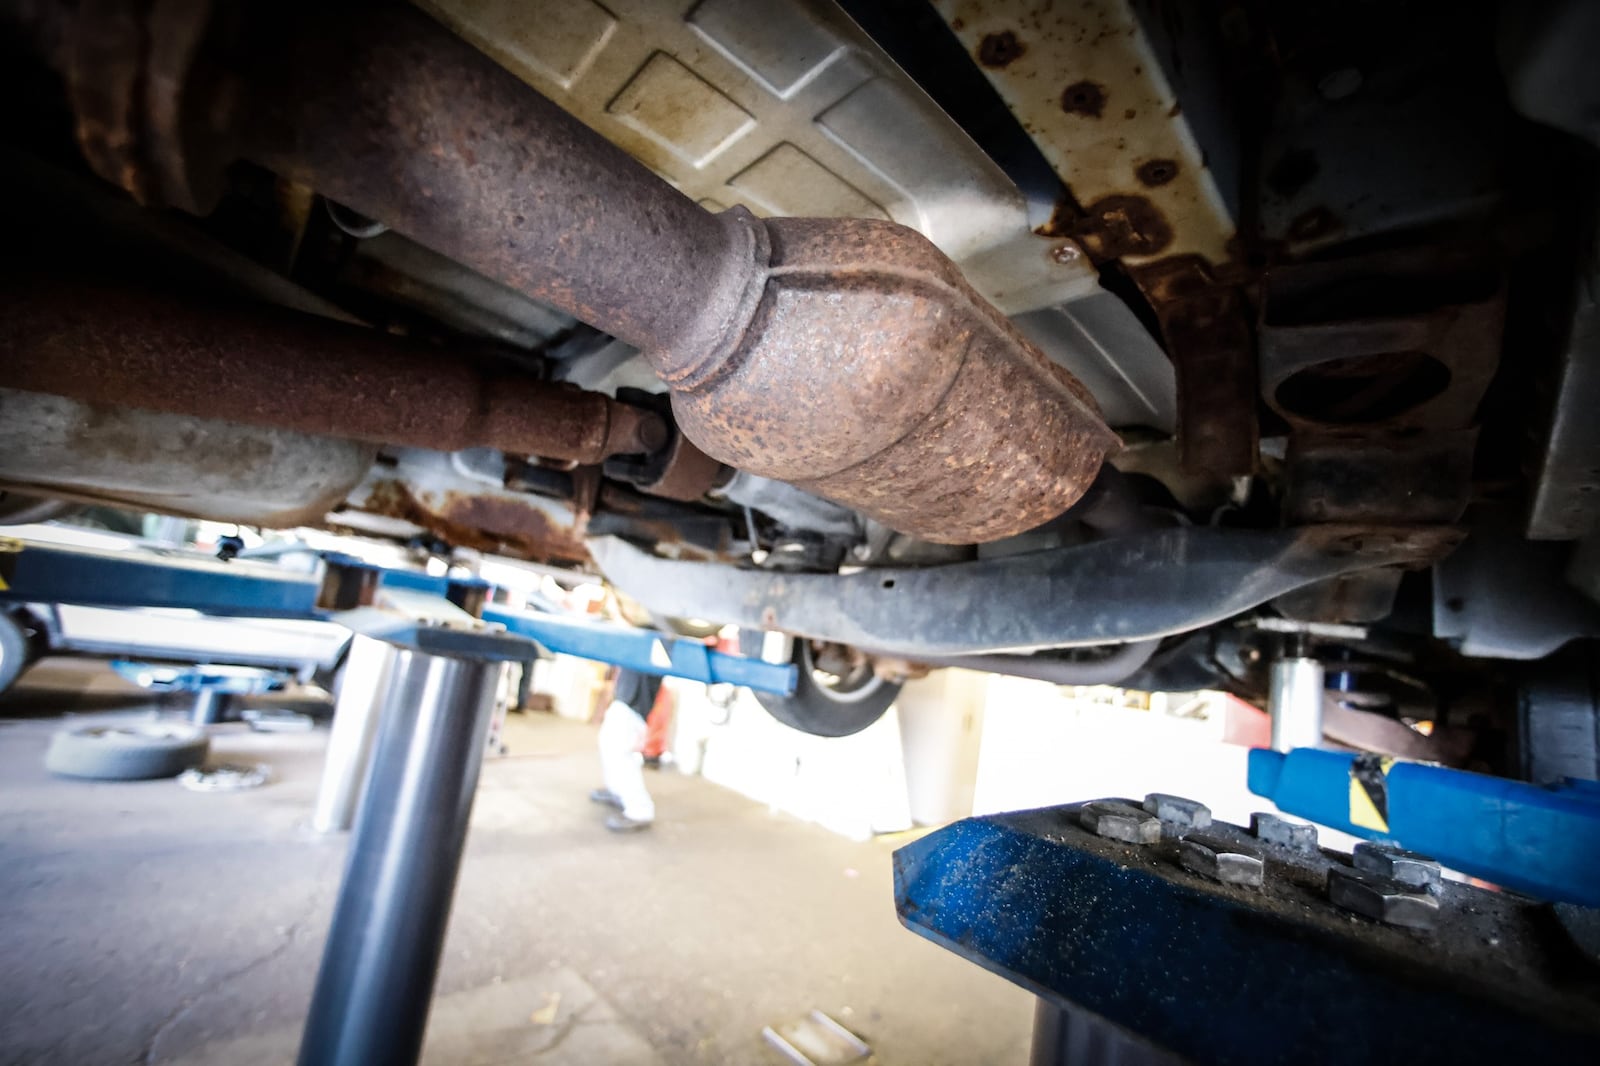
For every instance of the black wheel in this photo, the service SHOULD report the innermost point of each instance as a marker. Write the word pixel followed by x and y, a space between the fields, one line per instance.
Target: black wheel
pixel 15 652
pixel 126 752
pixel 836 693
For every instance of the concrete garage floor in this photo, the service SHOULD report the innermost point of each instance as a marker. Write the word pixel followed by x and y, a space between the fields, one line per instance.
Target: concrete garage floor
pixel 143 923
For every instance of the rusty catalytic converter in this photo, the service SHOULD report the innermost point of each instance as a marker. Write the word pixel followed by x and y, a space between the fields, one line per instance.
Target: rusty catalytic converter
pixel 862 367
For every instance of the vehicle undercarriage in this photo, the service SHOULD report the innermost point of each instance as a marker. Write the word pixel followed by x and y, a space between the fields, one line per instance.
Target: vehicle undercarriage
pixel 1140 343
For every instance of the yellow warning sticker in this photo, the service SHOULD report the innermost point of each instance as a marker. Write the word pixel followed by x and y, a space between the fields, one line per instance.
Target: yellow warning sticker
pixel 9 546
pixel 1369 793
pixel 1363 811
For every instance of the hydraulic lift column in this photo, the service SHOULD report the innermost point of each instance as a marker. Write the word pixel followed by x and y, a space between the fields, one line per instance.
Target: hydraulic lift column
pixel 367 673
pixel 1294 698
pixel 382 954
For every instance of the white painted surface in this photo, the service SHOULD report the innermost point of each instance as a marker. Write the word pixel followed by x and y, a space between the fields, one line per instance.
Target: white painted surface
pixel 855 786
pixel 941 728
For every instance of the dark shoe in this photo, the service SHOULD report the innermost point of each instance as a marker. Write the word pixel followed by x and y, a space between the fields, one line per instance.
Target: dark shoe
pixel 606 798
pixel 621 823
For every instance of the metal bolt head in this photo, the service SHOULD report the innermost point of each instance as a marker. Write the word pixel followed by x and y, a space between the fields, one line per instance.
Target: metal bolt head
pixel 1406 867
pixel 1066 253
pixel 1177 811
pixel 1381 898
pixel 1120 821
pixel 1270 829
pixel 1221 860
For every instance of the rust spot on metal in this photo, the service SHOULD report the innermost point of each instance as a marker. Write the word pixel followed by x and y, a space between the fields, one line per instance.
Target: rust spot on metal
pixel 1179 277
pixel 1381 477
pixel 1393 340
pixel 498 524
pixel 999 49
pixel 1065 219
pixel 1119 226
pixel 1209 335
pixel 522 525
pixel 1085 98
pixel 1202 313
pixel 1154 172
pixel 1420 545
pixel 1379 365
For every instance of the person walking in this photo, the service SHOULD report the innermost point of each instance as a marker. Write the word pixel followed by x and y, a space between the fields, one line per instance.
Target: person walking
pixel 621 766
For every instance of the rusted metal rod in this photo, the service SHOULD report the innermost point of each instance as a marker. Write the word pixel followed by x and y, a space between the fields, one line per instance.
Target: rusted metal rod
pixel 386 111
pixel 108 342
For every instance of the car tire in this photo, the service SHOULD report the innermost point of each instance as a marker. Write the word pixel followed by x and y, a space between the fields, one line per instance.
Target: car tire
pixel 133 752
pixel 818 708
pixel 16 651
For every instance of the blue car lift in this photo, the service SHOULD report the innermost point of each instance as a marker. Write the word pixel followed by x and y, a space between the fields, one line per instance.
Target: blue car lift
pixel 1152 934
pixel 436 684
pixel 1543 841
pixel 1149 932
pixel 47 573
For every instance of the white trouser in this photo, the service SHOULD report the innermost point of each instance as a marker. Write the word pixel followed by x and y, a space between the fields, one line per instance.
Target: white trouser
pixel 621 766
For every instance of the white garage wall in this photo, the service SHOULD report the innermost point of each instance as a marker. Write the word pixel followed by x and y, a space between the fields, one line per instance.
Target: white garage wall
pixel 854 785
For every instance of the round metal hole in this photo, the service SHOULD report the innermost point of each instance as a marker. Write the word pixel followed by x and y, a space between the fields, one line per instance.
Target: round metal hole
pixel 1363 389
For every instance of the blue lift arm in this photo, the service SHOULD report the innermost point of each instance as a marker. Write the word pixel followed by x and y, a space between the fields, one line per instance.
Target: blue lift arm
pixel 96 577
pixel 46 573
pixel 1542 841
pixel 644 650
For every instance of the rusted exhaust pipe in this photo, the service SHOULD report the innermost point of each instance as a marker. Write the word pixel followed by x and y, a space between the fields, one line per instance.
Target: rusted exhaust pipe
pixel 111 343
pixel 848 357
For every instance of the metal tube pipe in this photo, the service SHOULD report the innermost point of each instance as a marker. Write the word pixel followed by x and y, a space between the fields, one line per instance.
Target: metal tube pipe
pixel 363 688
pixel 209 706
pixel 1294 701
pixel 109 342
pixel 378 968
pixel 388 112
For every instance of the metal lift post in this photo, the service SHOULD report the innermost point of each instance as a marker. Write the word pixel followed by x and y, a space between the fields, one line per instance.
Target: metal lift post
pixel 378 968
pixel 425 688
